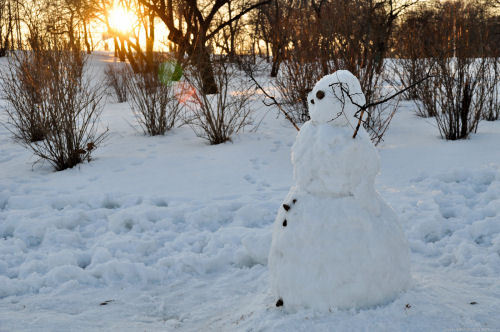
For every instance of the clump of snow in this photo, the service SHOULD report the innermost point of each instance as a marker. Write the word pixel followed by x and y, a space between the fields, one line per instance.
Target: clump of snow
pixel 464 231
pixel 336 243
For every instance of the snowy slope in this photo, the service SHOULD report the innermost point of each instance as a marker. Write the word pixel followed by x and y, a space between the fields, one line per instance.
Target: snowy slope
pixel 175 233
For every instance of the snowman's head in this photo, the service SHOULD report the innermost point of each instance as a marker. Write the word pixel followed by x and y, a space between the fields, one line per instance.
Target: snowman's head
pixel 335 99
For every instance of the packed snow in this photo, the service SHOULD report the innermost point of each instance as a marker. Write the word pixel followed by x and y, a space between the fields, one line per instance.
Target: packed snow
pixel 336 243
pixel 169 233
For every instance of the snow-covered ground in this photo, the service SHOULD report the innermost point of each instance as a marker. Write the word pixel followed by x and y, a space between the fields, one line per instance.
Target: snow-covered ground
pixel 169 233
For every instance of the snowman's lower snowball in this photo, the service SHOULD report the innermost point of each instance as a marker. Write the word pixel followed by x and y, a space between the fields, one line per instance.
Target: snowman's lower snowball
pixel 334 254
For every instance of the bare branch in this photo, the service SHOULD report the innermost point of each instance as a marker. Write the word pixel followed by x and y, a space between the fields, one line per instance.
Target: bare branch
pixel 272 98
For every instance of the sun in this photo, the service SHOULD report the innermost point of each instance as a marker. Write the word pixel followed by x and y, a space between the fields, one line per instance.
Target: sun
pixel 121 20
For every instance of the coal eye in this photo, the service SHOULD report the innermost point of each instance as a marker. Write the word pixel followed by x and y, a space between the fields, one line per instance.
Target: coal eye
pixel 320 94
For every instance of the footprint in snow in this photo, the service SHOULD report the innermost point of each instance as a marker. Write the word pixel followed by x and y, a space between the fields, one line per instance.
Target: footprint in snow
pixel 255 163
pixel 249 179
pixel 277 146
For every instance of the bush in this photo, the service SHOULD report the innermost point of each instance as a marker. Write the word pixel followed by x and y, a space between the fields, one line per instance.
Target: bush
pixel 217 117
pixel 452 42
pixel 153 102
pixel 492 110
pixel 457 93
pixel 22 83
pixel 116 79
pixel 67 106
pixel 294 82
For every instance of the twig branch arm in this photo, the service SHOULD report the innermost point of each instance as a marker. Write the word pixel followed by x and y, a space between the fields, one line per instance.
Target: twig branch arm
pixel 273 99
pixel 397 93
pixel 363 108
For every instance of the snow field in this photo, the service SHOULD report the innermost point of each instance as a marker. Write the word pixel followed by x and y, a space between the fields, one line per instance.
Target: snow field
pixel 175 233
pixel 123 240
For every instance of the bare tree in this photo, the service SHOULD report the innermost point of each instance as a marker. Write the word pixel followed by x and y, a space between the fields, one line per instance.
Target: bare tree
pixel 128 42
pixel 191 26
pixel 10 26
pixel 230 38
pixel 4 28
pixel 492 109
pixel 275 27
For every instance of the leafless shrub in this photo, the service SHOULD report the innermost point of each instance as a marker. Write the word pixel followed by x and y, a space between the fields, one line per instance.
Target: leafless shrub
pixel 379 115
pixel 379 119
pixel 269 99
pixel 464 75
pixel 69 105
pixel 408 71
pixel 457 93
pixel 449 39
pixel 116 79
pixel 217 117
pixel 153 102
pixel 22 83
pixel 492 109
pixel 294 81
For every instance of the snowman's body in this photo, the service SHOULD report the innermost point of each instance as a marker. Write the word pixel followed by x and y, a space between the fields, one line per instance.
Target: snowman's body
pixel 336 243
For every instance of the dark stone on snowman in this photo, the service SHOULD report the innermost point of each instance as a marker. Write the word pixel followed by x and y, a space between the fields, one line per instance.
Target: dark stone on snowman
pixel 347 248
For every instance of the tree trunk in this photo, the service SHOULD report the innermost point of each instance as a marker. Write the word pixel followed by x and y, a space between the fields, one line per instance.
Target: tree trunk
pixel 10 31
pixel 115 40
pixel 121 50
pixel 201 59
pixel 86 37
pixel 268 55
pixel 18 28
pixel 276 62
pixel 132 60
pixel 150 40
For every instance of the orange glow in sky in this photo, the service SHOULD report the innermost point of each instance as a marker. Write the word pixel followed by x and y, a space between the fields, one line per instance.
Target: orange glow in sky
pixel 121 20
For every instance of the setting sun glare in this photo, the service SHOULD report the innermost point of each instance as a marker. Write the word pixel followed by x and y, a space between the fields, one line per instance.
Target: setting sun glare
pixel 121 20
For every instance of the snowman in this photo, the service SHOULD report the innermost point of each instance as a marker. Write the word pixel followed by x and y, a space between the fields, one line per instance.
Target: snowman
pixel 336 243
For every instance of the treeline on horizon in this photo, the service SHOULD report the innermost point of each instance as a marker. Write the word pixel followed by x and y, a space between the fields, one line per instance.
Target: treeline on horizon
pixel 276 29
